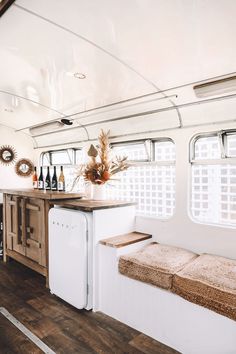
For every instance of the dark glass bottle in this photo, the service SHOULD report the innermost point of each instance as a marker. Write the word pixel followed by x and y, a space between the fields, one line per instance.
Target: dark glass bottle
pixel 61 181
pixel 35 179
pixel 40 181
pixel 48 180
pixel 54 180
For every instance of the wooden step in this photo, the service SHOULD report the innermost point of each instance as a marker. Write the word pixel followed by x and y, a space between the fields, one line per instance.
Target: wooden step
pixel 125 240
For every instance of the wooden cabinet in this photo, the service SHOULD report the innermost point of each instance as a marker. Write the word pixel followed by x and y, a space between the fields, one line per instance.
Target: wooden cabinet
pixel 25 219
pixel 1 230
pixel 26 225
pixel 26 229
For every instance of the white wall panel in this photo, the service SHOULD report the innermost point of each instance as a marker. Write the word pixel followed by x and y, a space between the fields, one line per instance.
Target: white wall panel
pixel 181 230
pixel 24 148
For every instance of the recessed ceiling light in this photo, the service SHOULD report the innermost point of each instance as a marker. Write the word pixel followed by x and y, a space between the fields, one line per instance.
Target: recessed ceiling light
pixel 8 110
pixel 80 76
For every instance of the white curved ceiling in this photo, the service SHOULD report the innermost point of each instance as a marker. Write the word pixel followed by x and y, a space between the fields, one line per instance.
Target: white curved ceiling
pixel 125 49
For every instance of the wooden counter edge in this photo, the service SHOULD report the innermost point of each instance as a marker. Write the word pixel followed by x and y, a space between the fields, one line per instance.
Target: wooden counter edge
pixel 46 195
pixel 83 204
pixel 125 240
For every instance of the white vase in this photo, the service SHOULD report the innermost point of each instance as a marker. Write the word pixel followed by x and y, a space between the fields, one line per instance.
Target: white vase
pixel 98 192
pixel 88 190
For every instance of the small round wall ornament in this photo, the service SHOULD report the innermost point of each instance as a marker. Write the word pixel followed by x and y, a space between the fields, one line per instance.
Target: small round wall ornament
pixel 7 154
pixel 24 167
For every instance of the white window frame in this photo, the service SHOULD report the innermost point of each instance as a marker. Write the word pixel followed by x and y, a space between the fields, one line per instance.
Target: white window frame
pixel 150 145
pixel 72 156
pixel 150 148
pixel 70 151
pixel 224 160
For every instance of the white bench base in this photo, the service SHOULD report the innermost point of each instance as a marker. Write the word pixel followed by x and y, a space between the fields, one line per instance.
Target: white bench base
pixel 164 316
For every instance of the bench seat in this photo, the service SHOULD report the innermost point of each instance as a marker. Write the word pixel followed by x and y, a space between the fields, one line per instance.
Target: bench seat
pixel 209 281
pixel 155 264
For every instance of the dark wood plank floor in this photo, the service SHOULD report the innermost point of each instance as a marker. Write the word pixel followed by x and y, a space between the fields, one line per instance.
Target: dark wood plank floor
pixel 13 340
pixel 63 328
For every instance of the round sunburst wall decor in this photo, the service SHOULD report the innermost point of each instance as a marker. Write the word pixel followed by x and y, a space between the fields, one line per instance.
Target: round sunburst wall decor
pixel 7 154
pixel 24 168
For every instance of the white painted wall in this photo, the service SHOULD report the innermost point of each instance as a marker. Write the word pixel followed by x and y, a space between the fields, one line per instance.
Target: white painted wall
pixel 180 230
pixel 23 145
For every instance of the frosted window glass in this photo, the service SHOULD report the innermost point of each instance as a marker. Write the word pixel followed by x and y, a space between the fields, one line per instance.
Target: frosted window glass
pixel 207 148
pixel 164 151
pixel 231 145
pixel 135 152
pixel 213 195
pixel 150 185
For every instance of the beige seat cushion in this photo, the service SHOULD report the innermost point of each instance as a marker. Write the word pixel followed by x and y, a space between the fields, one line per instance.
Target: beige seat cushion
pixel 209 281
pixel 155 264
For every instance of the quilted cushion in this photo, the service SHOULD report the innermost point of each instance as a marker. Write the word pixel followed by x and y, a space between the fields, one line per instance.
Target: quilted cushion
pixel 155 264
pixel 209 281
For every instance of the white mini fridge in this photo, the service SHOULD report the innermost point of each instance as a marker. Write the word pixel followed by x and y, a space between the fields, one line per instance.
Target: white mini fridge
pixel 68 256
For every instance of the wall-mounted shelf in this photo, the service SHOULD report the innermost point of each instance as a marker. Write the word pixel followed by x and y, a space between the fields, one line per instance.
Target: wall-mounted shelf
pixel 125 240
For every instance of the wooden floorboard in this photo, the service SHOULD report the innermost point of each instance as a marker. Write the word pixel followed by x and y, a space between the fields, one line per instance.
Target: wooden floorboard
pixel 63 328
pixel 148 345
pixel 12 340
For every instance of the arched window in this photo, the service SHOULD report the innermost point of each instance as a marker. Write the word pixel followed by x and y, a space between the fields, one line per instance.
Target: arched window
pixel 213 180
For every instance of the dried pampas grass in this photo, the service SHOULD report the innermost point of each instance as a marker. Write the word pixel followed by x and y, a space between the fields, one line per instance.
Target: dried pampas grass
pixel 101 168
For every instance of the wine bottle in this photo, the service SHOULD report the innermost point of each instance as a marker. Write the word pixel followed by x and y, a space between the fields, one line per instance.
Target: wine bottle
pixel 40 181
pixel 54 180
pixel 48 180
pixel 61 181
pixel 35 179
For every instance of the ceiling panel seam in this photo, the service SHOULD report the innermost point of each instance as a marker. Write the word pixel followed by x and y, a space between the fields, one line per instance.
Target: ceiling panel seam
pixel 9 127
pixel 28 99
pixel 42 105
pixel 104 51
pixel 88 41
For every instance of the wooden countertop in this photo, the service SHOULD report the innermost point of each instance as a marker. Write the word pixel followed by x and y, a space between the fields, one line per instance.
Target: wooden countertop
pixel 67 199
pixel 90 205
pixel 49 195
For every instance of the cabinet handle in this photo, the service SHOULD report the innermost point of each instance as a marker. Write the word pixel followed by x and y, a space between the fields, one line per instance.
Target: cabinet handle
pixel 23 221
pixel 29 229
pixel 32 207
pixel 17 207
pixel 33 243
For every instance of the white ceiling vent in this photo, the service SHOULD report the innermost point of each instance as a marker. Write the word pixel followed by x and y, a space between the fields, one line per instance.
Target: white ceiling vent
pixel 216 87
pixel 44 128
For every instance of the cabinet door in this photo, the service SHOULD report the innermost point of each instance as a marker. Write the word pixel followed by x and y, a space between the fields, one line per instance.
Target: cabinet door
pixel 13 221
pixel 33 229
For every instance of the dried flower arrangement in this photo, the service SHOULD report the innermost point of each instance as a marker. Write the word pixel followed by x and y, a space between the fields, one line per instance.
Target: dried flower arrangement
pixel 101 168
